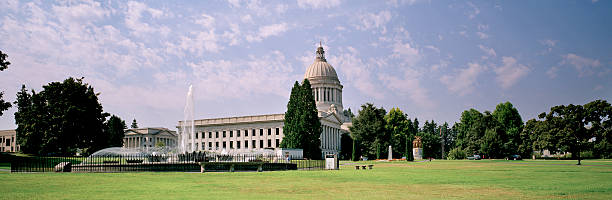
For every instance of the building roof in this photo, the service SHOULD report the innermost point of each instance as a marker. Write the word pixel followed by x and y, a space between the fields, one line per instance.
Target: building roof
pixel 7 132
pixel 320 69
pixel 238 120
pixel 149 131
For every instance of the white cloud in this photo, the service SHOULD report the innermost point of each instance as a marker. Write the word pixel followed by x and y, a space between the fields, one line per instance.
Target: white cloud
pixel 584 66
pixel 134 15
pixel 267 31
pixel 552 72
pixel 374 21
pixel 205 20
pixel 472 13
pixel 406 52
pixel 463 82
pixel 247 19
pixel 281 8
pixel 482 35
pixel 232 35
pixel 510 72
pixel 433 48
pixel 357 72
pixel 549 44
pixel 397 3
pixel 197 43
pixel 409 85
pixel 488 51
pixel 242 78
pixel 316 4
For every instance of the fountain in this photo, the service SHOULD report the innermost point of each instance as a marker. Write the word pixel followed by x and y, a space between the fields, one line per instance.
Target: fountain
pixel 187 128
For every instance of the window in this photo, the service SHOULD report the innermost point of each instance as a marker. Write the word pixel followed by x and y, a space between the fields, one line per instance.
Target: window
pixel 216 145
pixel 223 134
pixel 260 131
pixel 202 145
pixel 209 145
pixel 269 131
pixel 253 144
pixel 196 135
pixel 260 143
pixel 269 143
pixel 237 133
pixel 277 131
pixel 246 133
pixel 231 133
pixel 277 143
pixel 209 134
pixel 224 146
pixel 237 144
pixel 231 144
pixel 217 134
pixel 246 144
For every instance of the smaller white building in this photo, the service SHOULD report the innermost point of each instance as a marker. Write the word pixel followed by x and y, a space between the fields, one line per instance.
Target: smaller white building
pixel 8 141
pixel 149 137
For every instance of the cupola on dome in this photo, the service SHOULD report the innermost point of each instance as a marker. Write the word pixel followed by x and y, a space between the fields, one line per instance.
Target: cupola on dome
pixel 320 69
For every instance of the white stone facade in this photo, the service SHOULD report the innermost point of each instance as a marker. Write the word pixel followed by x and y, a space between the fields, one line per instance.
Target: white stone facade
pixel 8 141
pixel 149 137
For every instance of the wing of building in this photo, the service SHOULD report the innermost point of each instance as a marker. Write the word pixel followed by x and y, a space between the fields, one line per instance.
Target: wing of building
pixel 149 137
pixel 8 141
pixel 246 133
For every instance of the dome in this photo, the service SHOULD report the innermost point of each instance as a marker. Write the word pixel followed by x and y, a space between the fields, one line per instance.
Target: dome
pixel 320 68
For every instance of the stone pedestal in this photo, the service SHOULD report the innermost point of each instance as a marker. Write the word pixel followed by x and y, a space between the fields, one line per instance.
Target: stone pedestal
pixel 390 157
pixel 418 153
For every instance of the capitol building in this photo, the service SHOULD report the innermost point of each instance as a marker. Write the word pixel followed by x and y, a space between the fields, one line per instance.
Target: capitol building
pixel 248 133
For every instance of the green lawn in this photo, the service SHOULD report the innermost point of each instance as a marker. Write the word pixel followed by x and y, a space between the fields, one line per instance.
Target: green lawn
pixel 482 179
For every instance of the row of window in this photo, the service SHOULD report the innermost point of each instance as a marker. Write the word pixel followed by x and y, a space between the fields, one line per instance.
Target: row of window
pixel 238 132
pixel 238 144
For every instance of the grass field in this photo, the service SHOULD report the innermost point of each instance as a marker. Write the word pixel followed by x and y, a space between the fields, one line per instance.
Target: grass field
pixel 484 179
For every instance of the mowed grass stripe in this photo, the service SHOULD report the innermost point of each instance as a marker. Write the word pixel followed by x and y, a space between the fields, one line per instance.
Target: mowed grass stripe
pixel 484 179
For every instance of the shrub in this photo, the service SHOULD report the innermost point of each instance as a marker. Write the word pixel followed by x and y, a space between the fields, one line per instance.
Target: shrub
pixel 457 154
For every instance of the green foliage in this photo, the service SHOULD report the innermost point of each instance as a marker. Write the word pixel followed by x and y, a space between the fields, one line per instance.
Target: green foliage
pixel 398 126
pixel 570 129
pixel 495 135
pixel 369 131
pixel 302 126
pixel 431 144
pixel 63 117
pixel 346 145
pixel 114 130
pixel 160 144
pixel 457 154
pixel 3 65
pixel 3 104
pixel 355 153
pixel 348 114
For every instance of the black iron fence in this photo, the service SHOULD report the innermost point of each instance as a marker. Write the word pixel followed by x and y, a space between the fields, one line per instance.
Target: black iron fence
pixel 155 163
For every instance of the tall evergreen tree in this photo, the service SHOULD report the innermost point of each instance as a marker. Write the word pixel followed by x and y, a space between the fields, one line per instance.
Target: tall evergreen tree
pixel 302 126
pixel 134 124
pixel 397 126
pixel 293 137
pixel 310 122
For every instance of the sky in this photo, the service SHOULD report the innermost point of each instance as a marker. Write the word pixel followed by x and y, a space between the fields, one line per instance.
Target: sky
pixel 431 59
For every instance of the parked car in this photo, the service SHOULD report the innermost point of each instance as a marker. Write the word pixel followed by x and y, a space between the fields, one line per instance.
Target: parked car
pixel 475 157
pixel 514 157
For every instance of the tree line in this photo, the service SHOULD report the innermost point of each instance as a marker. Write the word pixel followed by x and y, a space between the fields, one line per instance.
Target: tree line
pixel 578 129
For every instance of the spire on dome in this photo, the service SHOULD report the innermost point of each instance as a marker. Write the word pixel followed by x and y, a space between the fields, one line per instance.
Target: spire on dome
pixel 321 53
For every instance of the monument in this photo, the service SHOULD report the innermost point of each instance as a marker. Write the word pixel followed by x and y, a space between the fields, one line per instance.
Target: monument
pixel 417 148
